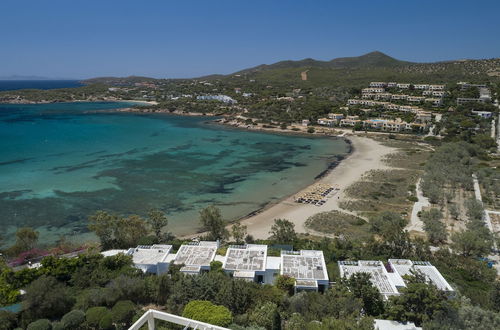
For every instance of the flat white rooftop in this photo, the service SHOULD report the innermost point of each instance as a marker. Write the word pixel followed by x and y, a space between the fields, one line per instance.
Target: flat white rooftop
pixel 110 253
pixel 379 275
pixel 250 257
pixel 149 255
pixel 304 265
pixel 196 254
pixel 394 325
pixel 408 267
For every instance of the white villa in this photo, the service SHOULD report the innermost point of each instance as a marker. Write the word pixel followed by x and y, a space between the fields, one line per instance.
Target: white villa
pixel 307 267
pixel 389 279
pixel 248 262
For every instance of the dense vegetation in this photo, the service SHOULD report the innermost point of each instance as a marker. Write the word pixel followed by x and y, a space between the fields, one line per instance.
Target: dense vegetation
pixel 95 292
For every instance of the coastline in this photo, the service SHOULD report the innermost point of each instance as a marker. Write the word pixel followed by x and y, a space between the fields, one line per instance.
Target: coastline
pixel 366 154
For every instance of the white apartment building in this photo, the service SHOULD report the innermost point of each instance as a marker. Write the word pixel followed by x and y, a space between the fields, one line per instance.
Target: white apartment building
pixel 403 86
pixel 389 279
pixel 409 108
pixel 248 262
pixel 349 122
pixel 465 85
pixel 463 100
pixel 327 122
pixel 379 84
pixel 196 257
pixel 423 116
pixel 421 86
pixel 151 258
pixel 483 114
pixel 307 267
pixel 407 267
pixel 392 106
pixel 436 87
pixel 372 90
pixel 415 99
pixel 336 116
pixel 434 101
pixel 399 97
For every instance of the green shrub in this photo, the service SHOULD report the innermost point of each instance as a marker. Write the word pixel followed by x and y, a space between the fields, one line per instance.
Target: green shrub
pixel 123 311
pixel 8 320
pixel 205 311
pixel 412 198
pixel 216 266
pixel 57 325
pixel 286 283
pixel 41 324
pixel 94 315
pixel 73 319
pixel 106 323
pixel 310 130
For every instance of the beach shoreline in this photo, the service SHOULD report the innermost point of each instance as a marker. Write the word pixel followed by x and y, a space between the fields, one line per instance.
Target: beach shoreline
pixel 366 154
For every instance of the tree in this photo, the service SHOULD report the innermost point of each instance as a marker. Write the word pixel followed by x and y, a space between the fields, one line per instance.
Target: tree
pixel 295 322
pixel 94 315
pixel 106 323
pixel 41 324
pixel 123 312
pixel 266 315
pixel 8 320
pixel 130 230
pixel 417 303
pixel 73 320
pixel 205 311
pixel 386 223
pixel 211 220
pixel 285 283
pixel 283 231
pixel 104 225
pixel 454 211
pixel 474 209
pixel 433 226
pixel 26 239
pixel 46 297
pixel 464 317
pixel 157 220
pixel 361 287
pixel 239 232
pixel 470 243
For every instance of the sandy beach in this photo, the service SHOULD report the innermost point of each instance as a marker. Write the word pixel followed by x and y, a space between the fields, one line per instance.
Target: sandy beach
pixel 367 155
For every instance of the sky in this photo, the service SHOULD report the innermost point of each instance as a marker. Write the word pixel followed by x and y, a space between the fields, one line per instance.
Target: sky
pixel 187 38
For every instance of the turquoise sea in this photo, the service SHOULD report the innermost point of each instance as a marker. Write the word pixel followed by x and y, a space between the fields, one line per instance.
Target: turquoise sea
pixel 61 162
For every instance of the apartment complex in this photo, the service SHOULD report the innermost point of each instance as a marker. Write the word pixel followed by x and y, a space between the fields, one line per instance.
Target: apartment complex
pixel 396 125
pixel 248 262
pixel 484 93
pixel 388 279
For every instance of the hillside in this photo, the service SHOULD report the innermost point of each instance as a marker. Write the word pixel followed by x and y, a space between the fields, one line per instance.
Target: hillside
pixel 373 59
pixel 342 72
pixel 117 80
pixel 357 71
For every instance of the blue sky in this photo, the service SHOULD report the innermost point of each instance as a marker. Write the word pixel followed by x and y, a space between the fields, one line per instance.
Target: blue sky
pixel 186 38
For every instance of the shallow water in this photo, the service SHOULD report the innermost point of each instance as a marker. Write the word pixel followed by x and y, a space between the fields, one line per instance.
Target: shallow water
pixel 61 162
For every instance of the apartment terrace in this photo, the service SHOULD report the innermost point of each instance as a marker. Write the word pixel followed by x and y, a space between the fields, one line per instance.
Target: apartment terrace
pixel 307 267
pixel 389 280
pixel 196 256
